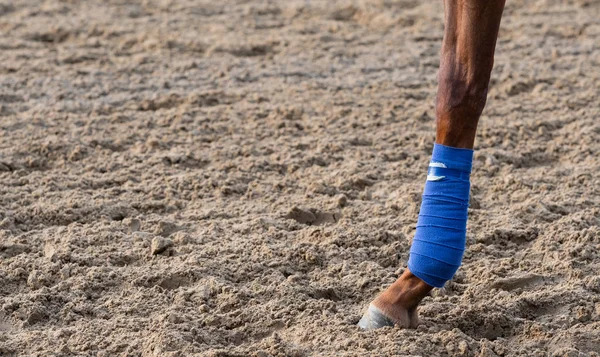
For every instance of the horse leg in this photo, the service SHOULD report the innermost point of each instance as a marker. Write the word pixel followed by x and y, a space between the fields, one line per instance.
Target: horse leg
pixel 467 56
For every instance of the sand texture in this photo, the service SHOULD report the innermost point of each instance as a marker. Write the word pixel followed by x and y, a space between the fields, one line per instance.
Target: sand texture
pixel 241 177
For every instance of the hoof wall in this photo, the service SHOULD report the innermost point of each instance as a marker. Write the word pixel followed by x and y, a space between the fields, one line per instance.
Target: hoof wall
pixel 373 319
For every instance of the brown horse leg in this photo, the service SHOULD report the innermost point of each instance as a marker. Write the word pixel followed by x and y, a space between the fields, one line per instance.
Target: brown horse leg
pixel 467 58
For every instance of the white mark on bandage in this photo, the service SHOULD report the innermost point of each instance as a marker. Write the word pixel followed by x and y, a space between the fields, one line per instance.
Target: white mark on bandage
pixel 436 177
pixel 438 164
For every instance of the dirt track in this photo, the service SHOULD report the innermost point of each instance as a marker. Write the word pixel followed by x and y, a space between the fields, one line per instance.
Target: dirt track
pixel 281 148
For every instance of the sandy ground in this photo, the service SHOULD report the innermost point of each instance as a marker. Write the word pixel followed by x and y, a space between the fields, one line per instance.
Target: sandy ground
pixel 240 178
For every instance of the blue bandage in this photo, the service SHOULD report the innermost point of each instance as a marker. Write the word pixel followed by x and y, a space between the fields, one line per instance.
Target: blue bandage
pixel 439 243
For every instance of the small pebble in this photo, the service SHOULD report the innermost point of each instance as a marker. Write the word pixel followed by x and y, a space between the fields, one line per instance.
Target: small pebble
pixel 342 200
pixel 49 251
pixel 160 244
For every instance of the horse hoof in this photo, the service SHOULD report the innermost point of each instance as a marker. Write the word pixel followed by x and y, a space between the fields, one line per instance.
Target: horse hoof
pixel 373 319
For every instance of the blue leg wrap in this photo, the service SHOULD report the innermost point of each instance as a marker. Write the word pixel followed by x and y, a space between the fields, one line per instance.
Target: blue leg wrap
pixel 439 243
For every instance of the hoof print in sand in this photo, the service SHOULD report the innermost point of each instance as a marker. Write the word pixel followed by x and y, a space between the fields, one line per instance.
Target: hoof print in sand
pixel 132 224
pixel 518 282
pixel 516 236
pixel 12 250
pixel 312 217
pixel 356 184
pixel 344 14
pixel 325 293
pixel 5 324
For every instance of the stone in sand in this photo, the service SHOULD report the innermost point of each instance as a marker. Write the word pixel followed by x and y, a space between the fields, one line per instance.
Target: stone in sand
pixel 160 244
